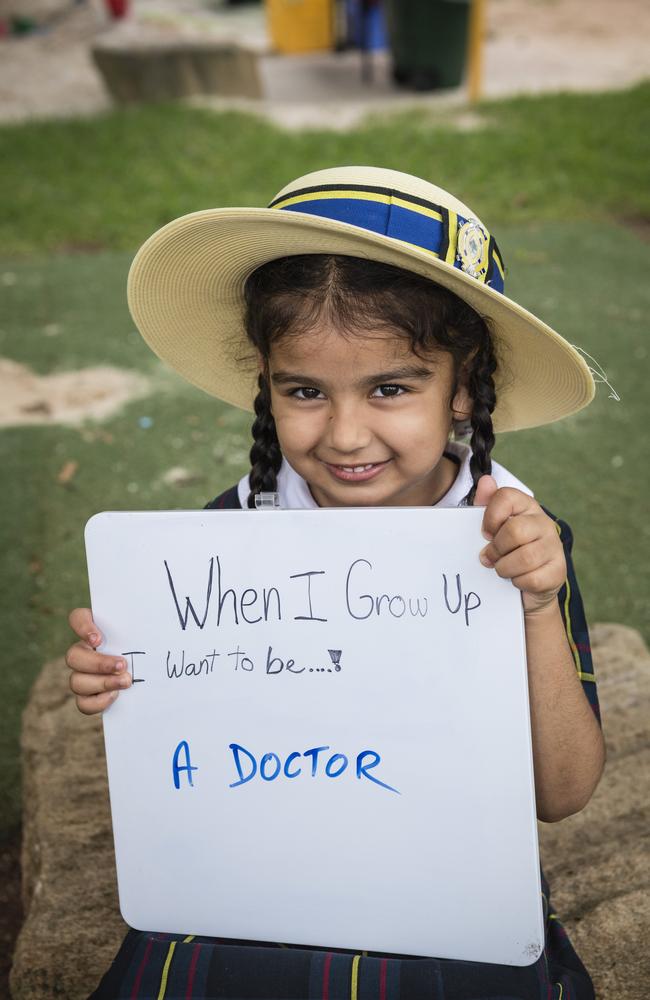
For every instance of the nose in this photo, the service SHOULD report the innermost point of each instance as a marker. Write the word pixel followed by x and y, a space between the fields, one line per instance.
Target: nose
pixel 348 431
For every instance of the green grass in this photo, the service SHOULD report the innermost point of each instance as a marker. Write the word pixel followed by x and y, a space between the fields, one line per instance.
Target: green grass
pixel 543 174
pixel 109 182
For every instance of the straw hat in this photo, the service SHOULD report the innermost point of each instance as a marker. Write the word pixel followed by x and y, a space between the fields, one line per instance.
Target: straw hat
pixel 185 286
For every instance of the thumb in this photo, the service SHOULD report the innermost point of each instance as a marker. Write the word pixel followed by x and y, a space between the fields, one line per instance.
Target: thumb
pixel 485 490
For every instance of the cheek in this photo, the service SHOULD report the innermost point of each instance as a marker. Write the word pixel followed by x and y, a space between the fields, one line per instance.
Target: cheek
pixel 419 431
pixel 297 432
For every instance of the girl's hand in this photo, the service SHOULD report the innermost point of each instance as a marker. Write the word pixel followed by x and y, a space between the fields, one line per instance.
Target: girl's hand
pixel 96 678
pixel 524 546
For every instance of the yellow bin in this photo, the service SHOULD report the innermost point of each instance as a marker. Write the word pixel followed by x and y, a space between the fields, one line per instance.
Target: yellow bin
pixel 300 25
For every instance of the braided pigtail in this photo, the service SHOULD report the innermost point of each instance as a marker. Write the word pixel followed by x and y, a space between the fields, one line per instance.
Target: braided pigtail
pixel 481 388
pixel 265 455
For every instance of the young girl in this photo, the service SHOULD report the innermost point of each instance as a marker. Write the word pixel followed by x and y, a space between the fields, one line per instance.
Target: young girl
pixel 362 315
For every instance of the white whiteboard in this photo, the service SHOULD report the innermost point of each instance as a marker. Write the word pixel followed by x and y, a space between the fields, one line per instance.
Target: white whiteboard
pixel 414 832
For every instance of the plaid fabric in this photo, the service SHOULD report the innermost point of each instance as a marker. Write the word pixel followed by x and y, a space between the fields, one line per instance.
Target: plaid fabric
pixel 175 967
pixel 170 967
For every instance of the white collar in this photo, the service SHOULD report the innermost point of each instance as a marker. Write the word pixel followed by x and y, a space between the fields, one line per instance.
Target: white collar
pixel 295 494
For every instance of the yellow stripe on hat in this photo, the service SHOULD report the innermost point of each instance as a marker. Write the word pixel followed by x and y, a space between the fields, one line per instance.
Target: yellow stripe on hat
pixel 384 199
pixel 452 229
pixel 430 212
pixel 322 195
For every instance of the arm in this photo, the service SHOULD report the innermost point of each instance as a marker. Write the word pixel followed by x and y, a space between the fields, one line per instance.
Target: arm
pixel 568 746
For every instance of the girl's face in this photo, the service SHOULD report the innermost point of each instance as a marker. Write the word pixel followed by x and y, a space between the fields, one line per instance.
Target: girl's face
pixel 363 419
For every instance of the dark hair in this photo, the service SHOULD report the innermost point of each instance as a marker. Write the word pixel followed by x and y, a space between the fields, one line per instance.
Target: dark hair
pixel 293 294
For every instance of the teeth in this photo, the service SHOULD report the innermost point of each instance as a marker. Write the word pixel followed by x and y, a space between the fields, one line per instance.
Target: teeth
pixel 356 468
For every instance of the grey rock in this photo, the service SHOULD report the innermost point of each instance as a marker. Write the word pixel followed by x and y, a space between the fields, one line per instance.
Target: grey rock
pixel 596 861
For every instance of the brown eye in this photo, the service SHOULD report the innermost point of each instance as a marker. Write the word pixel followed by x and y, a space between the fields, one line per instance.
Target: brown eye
pixel 305 392
pixel 386 391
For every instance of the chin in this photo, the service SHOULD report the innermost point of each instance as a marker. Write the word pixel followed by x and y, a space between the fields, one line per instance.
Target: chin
pixel 359 496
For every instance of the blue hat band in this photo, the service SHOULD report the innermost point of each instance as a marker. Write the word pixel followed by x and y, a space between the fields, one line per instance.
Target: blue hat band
pixel 460 242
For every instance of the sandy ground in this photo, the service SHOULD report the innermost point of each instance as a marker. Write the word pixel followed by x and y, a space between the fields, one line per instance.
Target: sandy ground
pixel 531 46
pixel 65 397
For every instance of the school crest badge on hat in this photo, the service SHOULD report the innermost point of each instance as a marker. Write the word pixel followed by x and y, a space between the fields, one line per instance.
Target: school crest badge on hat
pixel 472 249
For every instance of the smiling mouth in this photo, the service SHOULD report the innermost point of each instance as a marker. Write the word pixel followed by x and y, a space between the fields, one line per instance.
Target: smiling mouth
pixel 356 473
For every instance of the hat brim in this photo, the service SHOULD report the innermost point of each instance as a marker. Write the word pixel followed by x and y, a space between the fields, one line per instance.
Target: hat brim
pixel 185 293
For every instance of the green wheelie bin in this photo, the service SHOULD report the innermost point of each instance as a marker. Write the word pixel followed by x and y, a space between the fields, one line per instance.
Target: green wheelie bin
pixel 428 41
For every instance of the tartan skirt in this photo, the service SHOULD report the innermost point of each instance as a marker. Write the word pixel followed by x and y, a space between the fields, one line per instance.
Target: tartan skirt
pixel 175 967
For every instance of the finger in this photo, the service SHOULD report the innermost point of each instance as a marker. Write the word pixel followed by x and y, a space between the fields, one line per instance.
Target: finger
pixel 81 622
pixel 543 582
pixel 505 503
pixel 96 703
pixel 544 579
pixel 485 489
pixel 517 532
pixel 522 560
pixel 88 684
pixel 81 657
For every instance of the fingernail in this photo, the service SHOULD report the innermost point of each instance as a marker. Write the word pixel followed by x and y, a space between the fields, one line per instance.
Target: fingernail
pixel 485 559
pixel 487 535
pixel 125 681
pixel 93 638
pixel 120 665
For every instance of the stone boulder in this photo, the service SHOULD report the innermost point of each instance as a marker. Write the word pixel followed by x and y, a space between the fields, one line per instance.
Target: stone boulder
pixel 597 861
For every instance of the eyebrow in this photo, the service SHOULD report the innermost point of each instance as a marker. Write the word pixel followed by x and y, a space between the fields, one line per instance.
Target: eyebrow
pixel 405 373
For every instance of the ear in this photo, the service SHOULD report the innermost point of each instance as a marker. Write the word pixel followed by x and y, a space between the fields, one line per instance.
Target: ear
pixel 462 404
